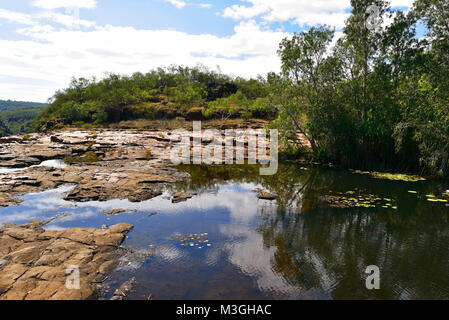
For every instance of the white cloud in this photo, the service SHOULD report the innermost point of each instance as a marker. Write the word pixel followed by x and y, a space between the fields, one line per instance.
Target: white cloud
pixel 50 57
pixel 204 5
pixel 68 20
pixel 181 4
pixel 54 4
pixel 301 12
pixel 401 3
pixel 17 17
pixel 177 3
pixel 35 68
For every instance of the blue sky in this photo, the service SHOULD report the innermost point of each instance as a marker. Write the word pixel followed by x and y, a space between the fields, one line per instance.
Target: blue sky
pixel 46 42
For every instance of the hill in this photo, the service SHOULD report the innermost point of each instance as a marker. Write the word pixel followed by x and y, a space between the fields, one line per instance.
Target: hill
pixel 169 93
pixel 17 116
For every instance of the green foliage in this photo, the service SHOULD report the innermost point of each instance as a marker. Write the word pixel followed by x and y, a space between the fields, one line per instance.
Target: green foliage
pixel 17 116
pixel 88 157
pixel 190 94
pixel 4 130
pixel 12 105
pixel 160 94
pixel 229 107
pixel 148 154
pixel 377 98
pixel 262 109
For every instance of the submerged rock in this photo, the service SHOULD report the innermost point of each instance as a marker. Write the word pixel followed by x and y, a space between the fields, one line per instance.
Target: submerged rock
pixel 132 259
pixel 116 211
pixel 181 196
pixel 124 290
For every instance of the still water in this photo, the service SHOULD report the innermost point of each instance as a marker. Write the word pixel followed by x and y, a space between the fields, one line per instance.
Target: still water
pixel 225 243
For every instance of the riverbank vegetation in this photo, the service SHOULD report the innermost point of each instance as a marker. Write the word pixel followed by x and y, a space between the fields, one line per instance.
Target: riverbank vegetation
pixel 374 98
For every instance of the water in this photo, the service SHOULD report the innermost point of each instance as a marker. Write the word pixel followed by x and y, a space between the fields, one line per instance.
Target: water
pixel 293 248
pixel 48 163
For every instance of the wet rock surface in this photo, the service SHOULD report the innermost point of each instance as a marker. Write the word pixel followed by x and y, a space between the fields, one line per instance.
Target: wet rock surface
pixel 266 196
pixel 124 290
pixel 34 263
pixel 102 165
pixel 130 165
pixel 181 197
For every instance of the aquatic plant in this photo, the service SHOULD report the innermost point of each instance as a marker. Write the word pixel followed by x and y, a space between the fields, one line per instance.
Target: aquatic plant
pixel 349 199
pixel 391 176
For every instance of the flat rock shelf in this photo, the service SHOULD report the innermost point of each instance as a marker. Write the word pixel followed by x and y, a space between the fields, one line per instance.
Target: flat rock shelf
pixel 34 262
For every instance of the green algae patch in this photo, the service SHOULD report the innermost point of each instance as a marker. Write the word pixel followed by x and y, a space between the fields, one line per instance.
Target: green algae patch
pixel 391 176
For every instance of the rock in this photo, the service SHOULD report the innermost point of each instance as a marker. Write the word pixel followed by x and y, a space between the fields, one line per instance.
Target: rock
pixel 55 139
pixel 34 262
pixel 125 170
pixel 267 196
pixel 124 290
pixel 48 154
pixel 6 200
pixel 195 114
pixel 6 157
pixel 132 259
pixel 181 196
pixel 121 228
pixel 114 211
pixel 21 162
pixel 7 140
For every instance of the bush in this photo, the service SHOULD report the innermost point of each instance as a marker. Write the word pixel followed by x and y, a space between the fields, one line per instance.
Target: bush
pixel 148 154
pixel 230 107
pixel 160 94
pixel 263 109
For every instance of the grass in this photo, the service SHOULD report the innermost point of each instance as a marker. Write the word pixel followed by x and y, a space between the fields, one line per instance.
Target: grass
pixel 88 157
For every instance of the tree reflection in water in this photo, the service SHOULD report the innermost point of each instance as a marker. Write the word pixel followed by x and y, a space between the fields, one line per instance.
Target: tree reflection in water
pixel 323 252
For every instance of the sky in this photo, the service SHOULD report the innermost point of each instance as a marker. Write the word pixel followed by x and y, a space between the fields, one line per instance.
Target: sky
pixel 44 43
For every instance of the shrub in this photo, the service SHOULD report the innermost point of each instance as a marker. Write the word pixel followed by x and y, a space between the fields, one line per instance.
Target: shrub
pixel 90 157
pixel 148 154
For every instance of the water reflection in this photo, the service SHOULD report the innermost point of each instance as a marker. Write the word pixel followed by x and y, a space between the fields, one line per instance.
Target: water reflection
pixel 301 249
pixel 60 164
pixel 293 248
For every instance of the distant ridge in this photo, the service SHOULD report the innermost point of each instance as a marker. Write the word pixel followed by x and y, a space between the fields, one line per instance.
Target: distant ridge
pixel 11 104
pixel 17 116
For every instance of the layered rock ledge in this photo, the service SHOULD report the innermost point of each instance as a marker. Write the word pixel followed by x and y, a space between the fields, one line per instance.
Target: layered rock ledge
pixel 35 264
pixel 123 165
